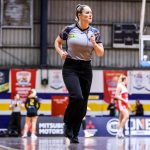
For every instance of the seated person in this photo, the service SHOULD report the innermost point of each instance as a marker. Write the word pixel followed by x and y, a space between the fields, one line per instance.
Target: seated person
pixel 139 111
pixel 112 108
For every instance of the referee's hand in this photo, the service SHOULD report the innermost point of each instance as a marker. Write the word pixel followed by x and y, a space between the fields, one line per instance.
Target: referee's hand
pixel 92 39
pixel 64 55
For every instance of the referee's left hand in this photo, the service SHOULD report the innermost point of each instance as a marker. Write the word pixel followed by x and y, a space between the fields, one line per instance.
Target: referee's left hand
pixel 92 39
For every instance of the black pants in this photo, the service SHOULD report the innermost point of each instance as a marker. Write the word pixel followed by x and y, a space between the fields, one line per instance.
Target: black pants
pixel 77 76
pixel 83 124
pixel 15 122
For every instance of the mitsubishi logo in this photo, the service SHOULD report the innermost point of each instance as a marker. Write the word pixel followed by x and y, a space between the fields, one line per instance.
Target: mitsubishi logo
pixel 90 125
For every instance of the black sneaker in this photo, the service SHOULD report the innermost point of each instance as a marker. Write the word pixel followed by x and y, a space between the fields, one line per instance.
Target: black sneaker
pixel 74 140
pixel 68 132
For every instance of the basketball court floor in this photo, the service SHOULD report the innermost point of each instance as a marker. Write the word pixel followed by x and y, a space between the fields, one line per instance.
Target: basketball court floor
pixel 61 143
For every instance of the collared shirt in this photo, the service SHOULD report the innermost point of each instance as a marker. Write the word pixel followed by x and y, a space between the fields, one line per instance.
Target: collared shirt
pixel 15 105
pixel 78 42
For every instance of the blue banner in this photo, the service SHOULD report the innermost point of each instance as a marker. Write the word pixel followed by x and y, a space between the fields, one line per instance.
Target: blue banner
pixel 98 126
pixel 4 80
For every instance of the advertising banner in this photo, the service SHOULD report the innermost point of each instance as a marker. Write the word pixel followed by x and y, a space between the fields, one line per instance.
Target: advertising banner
pixel 59 105
pixel 4 80
pixel 55 83
pixel 107 126
pixel 98 126
pixel 101 126
pixel 50 127
pixel 110 83
pixel 53 126
pixel 47 126
pixel 97 82
pixel 138 126
pixel 139 82
pixel 22 81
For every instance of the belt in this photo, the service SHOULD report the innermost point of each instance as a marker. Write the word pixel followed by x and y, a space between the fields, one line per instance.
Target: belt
pixel 78 61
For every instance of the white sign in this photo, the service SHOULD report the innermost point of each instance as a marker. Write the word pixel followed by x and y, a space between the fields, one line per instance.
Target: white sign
pixel 139 82
pixel 56 83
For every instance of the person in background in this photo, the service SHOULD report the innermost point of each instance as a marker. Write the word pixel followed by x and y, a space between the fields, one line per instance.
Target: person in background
pixel 32 105
pixel 112 108
pixel 82 40
pixel 15 119
pixel 86 133
pixel 122 104
pixel 139 110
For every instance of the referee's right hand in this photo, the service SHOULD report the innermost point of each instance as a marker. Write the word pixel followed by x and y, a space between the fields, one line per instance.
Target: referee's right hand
pixel 64 55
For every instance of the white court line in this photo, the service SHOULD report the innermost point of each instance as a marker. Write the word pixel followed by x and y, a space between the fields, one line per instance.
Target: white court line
pixel 9 148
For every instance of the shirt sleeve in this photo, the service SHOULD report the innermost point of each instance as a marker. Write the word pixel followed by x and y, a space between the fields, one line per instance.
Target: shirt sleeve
pixel 64 34
pixel 98 38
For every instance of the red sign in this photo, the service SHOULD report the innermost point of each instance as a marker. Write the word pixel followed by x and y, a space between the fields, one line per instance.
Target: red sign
pixel 59 105
pixel 110 83
pixel 22 81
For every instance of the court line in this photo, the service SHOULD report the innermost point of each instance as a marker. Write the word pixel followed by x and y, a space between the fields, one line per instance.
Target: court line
pixel 9 148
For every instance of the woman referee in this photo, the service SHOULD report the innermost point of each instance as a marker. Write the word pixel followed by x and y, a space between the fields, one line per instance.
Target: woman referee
pixel 82 41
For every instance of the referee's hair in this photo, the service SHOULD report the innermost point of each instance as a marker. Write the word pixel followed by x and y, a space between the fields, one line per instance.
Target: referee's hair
pixel 78 10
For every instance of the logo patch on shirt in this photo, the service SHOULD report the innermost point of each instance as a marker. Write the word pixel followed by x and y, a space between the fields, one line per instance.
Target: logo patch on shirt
pixel 72 36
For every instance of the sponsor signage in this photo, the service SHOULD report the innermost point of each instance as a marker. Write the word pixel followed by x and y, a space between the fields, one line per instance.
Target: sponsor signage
pixel 46 126
pixel 111 126
pixel 139 82
pixel 138 126
pixel 56 83
pixel 4 80
pixel 107 126
pixel 59 105
pixel 110 83
pixel 98 126
pixel 135 126
pixel 22 81
pixel 50 126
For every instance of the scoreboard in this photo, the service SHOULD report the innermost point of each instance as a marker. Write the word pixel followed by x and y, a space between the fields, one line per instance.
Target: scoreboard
pixel 125 36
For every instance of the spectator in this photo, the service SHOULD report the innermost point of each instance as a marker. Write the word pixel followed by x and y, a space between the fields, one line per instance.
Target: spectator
pixel 15 119
pixel 139 111
pixel 112 108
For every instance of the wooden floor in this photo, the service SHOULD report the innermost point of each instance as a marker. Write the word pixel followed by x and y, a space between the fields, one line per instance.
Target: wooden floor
pixel 61 143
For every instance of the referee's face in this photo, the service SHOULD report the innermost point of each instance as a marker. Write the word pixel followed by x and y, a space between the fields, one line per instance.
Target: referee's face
pixel 86 15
